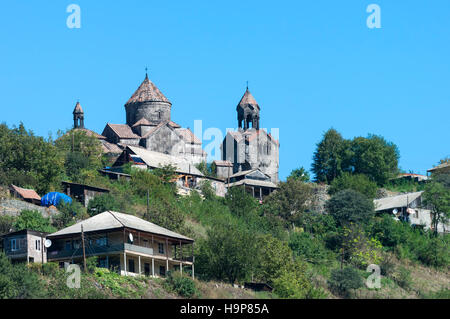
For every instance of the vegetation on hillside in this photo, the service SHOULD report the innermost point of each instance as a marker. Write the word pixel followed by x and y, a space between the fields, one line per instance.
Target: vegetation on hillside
pixel 283 241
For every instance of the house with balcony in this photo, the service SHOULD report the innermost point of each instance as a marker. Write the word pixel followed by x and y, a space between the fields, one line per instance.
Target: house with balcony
pixel 24 246
pixel 123 243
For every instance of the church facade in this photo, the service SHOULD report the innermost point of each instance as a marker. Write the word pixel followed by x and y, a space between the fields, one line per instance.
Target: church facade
pixel 149 125
pixel 250 147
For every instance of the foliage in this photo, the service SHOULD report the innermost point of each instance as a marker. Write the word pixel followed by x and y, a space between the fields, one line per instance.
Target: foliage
pixel 33 220
pixel 350 206
pixel 165 173
pixel 342 281
pixel 102 203
pixel 372 156
pixel 208 169
pixel 308 248
pixel 207 190
pixel 295 284
pixel 6 223
pixel 437 197
pixel 181 284
pixel 300 174
pixel 240 203
pixel 358 182
pixel 273 258
pixel 227 253
pixel 289 202
pixel 403 278
pixel 360 250
pixel 328 157
pixel 81 151
pixel 16 282
pixel 121 286
pixel 27 160
pixel 68 214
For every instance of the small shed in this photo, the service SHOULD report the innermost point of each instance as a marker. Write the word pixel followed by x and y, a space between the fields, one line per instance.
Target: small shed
pixel 24 194
pixel 258 286
pixel 82 193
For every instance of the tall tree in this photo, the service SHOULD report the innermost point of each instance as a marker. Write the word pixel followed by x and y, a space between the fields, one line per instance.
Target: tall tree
pixel 437 196
pixel 329 156
pixel 374 157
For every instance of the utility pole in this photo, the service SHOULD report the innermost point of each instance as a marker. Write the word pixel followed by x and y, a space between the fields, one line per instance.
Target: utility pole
pixel 84 251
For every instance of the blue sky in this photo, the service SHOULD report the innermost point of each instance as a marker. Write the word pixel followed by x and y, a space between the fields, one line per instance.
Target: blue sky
pixel 311 65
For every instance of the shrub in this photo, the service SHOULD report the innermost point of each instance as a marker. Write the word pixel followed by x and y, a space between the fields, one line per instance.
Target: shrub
pixel 307 247
pixel 32 219
pixel 403 278
pixel 360 183
pixel 350 206
pixel 181 284
pixel 102 203
pixel 295 284
pixel 342 281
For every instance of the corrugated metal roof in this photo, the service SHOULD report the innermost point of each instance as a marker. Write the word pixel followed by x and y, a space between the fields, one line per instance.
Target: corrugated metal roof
pixel 440 166
pixel 113 220
pixel 253 182
pixel 156 159
pixel 395 201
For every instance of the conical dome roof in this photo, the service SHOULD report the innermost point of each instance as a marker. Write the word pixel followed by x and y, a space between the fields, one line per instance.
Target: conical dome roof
pixel 147 92
pixel 247 100
pixel 78 109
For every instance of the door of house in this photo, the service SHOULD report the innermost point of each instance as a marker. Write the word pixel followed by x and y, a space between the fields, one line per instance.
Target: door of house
pixel 131 265
pixel 147 269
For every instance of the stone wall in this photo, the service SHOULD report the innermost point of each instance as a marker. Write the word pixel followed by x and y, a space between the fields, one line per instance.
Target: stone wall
pixel 13 207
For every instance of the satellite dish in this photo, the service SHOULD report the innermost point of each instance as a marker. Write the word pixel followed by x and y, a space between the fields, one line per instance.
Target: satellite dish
pixel 130 236
pixel 395 211
pixel 47 243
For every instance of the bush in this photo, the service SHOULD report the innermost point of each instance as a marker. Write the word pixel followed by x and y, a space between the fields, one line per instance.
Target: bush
pixel 360 183
pixel 181 284
pixel 32 219
pixel 102 203
pixel 295 284
pixel 308 248
pixel 342 281
pixel 403 278
pixel 350 206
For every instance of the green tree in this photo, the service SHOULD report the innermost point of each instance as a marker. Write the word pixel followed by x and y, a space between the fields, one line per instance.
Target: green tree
pixel 344 280
pixel 359 182
pixel 329 156
pixel 274 257
pixel 227 253
pixel 289 202
pixel 240 203
pixel 102 203
pixel 295 284
pixel 68 214
pixel 28 160
pixel 300 174
pixel 437 197
pixel 6 223
pixel 350 206
pixel 374 157
pixel 33 220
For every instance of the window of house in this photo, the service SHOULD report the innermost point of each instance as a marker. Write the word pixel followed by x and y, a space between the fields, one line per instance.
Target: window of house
pixel 13 245
pixel 145 243
pixel 101 241
pixel 38 245
pixel 161 248
pixel 76 244
pixel 68 245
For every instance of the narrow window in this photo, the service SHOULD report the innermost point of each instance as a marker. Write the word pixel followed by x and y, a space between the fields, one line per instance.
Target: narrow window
pixel 161 248
pixel 68 245
pixel 38 245
pixel 13 245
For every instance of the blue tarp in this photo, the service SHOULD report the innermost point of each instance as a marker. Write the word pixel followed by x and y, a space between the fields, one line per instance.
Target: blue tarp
pixel 54 198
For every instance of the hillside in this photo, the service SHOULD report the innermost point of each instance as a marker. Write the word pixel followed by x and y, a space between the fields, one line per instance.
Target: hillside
pixel 306 240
